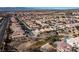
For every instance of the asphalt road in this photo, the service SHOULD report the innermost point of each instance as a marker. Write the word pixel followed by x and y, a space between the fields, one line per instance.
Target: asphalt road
pixel 3 27
pixel 25 27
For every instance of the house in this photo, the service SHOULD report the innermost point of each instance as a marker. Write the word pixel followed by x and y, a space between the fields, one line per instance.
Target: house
pixel 63 46
pixel 73 41
pixel 47 48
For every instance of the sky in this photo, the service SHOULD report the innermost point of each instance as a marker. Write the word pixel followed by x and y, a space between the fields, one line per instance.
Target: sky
pixel 39 3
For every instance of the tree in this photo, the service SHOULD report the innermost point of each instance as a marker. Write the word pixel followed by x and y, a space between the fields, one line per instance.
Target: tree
pixel 53 38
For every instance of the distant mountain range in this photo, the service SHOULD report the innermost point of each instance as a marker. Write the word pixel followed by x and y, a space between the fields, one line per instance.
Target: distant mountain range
pixel 12 9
